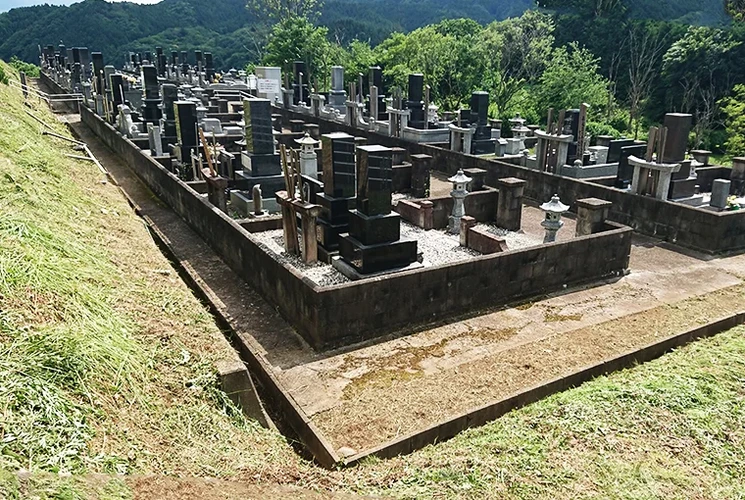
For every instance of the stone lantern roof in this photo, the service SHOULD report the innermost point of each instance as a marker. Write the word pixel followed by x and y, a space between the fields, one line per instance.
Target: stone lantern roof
pixel 555 206
pixel 460 178
pixel 307 140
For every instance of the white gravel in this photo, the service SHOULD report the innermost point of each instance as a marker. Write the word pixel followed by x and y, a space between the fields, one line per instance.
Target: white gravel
pixel 436 246
pixel 515 240
pixel 321 273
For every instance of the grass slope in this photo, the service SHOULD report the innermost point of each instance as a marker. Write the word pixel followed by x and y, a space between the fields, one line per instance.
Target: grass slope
pixel 106 359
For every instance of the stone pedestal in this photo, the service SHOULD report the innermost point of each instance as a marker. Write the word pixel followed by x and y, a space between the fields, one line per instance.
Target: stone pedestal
pixel 720 190
pixel 461 139
pixel 603 140
pixel 702 156
pixel 600 153
pixel 591 215
pixel 478 179
pixel 738 176
pixel 421 167
pixel 216 189
pixel 466 223
pixel 308 215
pixel 510 203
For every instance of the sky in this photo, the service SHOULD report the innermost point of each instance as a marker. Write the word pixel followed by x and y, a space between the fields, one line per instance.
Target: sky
pixel 11 4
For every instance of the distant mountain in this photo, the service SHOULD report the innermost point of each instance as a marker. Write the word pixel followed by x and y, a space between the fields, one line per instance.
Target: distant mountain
pixel 235 35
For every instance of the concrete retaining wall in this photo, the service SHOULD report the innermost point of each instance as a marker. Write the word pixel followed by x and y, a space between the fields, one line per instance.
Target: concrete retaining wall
pixel 492 411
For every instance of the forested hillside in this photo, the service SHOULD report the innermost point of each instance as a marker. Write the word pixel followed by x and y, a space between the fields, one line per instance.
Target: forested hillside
pixel 236 35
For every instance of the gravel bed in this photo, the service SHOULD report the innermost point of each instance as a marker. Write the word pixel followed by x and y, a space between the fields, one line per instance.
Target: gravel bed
pixel 321 273
pixel 437 246
pixel 515 240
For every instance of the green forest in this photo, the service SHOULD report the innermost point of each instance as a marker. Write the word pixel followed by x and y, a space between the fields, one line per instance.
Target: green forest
pixel 630 60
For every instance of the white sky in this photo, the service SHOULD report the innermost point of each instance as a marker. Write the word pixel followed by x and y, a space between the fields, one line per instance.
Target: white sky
pixel 11 4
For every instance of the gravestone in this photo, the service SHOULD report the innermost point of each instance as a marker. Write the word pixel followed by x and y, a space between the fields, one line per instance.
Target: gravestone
pixel 151 112
pixel 376 80
pixel 116 84
pixel 85 63
pixel 98 66
pixel 614 149
pixel 185 113
pixel 720 190
pixel 261 163
pixel 338 164
pixel 625 170
pixel 209 67
pixel 300 85
pixel 374 242
pixel 184 63
pixel 170 96
pixel 678 129
pixel 481 142
pixel 337 95
pixel 415 102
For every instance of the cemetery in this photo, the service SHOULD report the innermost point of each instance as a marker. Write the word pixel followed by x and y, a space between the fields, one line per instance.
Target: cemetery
pixel 404 250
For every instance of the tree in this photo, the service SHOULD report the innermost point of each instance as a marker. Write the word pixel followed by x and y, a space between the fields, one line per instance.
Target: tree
pixel 296 39
pixel 447 62
pixel 570 79
pixel 596 8
pixel 700 63
pixel 733 108
pixel 736 8
pixel 645 49
pixel 516 52
pixel 282 9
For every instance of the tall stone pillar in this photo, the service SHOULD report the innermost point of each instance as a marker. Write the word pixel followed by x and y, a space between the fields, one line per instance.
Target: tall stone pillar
pixel 591 215
pixel 421 166
pixel 510 203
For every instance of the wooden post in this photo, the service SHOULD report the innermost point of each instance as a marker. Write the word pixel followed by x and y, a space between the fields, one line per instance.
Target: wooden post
pixel 651 142
pixel 581 129
pixel 289 222
pixel 308 216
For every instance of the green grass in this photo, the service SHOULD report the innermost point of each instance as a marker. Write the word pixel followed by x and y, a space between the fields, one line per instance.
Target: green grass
pixel 107 362
pixel 672 428
pixel 721 159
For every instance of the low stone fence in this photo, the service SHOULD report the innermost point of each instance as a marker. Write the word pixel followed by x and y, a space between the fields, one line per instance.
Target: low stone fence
pixel 481 205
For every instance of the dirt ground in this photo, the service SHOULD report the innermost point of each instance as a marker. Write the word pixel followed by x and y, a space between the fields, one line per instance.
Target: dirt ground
pixel 365 395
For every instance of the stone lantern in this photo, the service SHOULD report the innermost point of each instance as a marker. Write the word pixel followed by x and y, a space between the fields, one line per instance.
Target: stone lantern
pixel 308 156
pixel 459 193
pixel 552 223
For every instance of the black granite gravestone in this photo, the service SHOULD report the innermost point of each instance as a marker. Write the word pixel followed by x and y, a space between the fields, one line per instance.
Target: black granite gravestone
pixel 338 162
pixel 374 242
pixel 151 112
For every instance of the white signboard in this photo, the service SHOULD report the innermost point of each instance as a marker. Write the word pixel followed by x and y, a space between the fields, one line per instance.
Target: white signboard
pixel 268 86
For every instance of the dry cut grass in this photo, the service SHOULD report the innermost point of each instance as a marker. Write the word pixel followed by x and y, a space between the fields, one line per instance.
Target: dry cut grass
pixel 106 358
